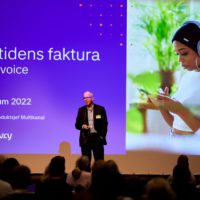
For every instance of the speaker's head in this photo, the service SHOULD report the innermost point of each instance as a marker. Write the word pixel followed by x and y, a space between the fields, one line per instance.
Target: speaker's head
pixel 189 35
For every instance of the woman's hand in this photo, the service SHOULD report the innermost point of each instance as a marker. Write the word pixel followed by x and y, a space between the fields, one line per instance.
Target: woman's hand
pixel 168 103
pixel 164 101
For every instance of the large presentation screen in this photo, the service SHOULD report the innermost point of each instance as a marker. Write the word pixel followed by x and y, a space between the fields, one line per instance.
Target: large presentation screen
pixel 50 53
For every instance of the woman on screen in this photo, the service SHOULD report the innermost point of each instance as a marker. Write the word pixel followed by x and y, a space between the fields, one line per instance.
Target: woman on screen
pixel 182 112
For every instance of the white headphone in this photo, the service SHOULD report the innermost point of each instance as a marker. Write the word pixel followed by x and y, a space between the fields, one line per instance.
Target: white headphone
pixel 197 23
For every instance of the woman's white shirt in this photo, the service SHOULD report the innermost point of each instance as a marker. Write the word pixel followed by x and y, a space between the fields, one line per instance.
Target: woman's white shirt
pixel 189 95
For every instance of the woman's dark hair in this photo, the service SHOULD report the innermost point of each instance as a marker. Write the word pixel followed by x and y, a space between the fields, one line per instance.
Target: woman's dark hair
pixel 183 161
pixel 189 35
pixel 8 166
pixel 57 166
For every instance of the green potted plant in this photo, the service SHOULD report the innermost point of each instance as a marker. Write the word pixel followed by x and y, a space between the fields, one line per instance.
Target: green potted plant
pixel 159 21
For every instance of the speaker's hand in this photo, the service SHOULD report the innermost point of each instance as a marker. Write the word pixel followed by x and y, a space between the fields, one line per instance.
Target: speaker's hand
pixel 85 126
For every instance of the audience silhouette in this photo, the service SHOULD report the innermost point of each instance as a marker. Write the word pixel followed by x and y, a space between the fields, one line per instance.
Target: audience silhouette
pixel 53 184
pixel 80 178
pixel 104 182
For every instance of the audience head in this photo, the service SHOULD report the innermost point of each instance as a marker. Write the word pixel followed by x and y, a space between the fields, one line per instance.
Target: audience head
pixel 21 177
pixel 112 166
pixel 56 166
pixel 10 163
pixel 8 166
pixel 181 174
pixel 98 174
pixel 183 161
pixel 83 162
pixel 159 189
pixel 106 179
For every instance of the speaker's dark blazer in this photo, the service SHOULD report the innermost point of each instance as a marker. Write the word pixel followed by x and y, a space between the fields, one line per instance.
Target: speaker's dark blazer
pixel 100 125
